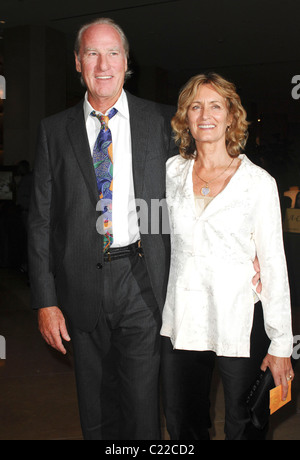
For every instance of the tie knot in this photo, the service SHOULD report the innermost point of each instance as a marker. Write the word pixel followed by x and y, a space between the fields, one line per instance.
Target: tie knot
pixel 104 119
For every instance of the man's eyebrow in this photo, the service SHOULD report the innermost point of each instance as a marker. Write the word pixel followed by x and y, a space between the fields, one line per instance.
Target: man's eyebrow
pixel 89 49
pixel 113 48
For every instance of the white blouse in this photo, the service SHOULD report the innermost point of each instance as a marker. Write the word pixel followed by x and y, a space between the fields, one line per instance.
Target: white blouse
pixel 209 303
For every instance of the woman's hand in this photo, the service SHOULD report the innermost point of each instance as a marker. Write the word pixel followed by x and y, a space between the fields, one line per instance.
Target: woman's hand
pixel 256 279
pixel 282 372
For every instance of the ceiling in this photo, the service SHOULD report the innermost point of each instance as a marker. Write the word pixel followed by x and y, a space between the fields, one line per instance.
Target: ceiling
pixel 254 42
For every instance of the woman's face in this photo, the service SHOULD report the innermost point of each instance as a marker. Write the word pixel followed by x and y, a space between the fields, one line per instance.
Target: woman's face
pixel 208 116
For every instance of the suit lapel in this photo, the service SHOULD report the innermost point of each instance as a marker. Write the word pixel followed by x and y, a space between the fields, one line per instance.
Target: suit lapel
pixel 139 126
pixel 79 141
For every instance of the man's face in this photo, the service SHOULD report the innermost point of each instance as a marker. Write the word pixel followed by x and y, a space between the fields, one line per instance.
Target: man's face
pixel 102 62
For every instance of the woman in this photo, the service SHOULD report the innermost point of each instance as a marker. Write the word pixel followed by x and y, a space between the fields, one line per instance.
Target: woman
pixel 223 211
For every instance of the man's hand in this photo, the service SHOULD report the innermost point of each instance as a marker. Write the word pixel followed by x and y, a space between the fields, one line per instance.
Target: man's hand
pixel 282 372
pixel 256 279
pixel 53 328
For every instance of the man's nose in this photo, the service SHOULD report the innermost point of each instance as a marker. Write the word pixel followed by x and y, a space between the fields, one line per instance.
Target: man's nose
pixel 102 63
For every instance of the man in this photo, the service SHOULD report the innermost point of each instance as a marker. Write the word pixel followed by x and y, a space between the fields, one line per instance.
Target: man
pixel 109 302
pixel 106 280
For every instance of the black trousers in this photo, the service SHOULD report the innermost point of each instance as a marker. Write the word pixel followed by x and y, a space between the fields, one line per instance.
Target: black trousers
pixel 187 377
pixel 117 365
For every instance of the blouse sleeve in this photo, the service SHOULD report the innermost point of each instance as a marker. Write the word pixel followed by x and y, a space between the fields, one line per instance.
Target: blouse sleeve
pixel 275 294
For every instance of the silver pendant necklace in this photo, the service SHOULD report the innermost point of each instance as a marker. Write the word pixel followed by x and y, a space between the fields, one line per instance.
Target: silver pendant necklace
pixel 206 190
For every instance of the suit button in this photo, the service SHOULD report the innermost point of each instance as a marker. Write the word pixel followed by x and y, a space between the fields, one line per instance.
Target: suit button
pixel 99 266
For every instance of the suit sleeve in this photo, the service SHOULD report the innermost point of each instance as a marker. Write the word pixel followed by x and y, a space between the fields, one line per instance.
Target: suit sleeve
pixel 39 247
pixel 173 148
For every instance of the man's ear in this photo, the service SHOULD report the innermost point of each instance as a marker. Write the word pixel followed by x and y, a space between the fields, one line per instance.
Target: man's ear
pixel 77 62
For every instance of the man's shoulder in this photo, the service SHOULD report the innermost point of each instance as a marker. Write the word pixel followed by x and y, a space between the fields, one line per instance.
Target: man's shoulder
pixel 152 106
pixel 64 115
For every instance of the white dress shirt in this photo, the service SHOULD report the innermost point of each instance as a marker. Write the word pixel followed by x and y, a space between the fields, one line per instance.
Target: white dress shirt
pixel 124 215
pixel 209 304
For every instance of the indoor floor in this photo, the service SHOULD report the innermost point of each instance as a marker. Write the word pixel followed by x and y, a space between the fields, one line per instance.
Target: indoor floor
pixel 37 389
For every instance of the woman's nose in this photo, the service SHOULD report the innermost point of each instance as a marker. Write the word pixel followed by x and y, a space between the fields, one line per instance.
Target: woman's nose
pixel 205 112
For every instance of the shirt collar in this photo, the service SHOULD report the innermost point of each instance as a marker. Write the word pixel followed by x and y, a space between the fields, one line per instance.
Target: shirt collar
pixel 121 105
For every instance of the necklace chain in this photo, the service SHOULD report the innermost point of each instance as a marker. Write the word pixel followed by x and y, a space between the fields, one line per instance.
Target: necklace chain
pixel 206 190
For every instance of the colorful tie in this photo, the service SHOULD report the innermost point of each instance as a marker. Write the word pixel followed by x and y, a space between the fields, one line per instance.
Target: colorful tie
pixel 103 164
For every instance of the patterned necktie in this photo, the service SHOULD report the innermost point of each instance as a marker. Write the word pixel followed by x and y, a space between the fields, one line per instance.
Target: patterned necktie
pixel 103 164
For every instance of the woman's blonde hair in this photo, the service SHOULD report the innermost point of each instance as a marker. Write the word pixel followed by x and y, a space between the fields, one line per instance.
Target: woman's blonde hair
pixel 237 133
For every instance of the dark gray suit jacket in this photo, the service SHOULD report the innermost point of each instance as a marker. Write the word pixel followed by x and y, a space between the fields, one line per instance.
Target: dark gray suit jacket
pixel 65 248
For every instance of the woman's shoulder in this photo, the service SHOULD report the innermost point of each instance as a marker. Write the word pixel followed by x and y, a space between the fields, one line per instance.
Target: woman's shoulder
pixel 254 172
pixel 176 164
